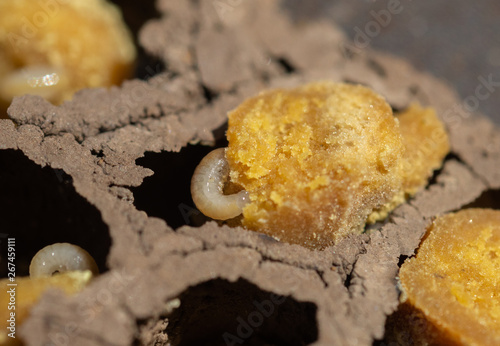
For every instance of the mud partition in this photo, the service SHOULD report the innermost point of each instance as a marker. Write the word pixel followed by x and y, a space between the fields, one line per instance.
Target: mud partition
pixel 109 169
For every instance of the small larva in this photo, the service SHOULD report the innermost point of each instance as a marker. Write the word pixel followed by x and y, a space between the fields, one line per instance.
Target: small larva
pixel 61 257
pixel 45 81
pixel 207 187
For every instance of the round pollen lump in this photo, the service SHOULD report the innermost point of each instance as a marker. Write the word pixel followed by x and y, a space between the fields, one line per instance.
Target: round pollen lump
pixel 316 160
pixel 53 49
pixel 451 289
pixel 426 143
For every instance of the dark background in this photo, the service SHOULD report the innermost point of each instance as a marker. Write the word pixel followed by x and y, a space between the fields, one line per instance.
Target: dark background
pixel 458 40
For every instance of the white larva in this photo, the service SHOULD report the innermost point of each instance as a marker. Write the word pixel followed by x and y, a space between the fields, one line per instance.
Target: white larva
pixel 46 81
pixel 207 187
pixel 61 257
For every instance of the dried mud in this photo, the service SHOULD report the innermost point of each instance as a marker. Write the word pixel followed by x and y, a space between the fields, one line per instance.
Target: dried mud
pixel 110 172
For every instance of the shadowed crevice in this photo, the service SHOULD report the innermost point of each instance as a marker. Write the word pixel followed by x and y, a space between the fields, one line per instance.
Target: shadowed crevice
pixel 488 199
pixel 39 206
pixel 167 193
pixel 135 15
pixel 218 312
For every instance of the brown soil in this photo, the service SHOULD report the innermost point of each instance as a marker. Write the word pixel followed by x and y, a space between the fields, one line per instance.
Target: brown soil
pixel 110 172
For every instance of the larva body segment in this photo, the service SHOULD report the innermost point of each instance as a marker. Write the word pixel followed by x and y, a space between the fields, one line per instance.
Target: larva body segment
pixel 207 188
pixel 61 257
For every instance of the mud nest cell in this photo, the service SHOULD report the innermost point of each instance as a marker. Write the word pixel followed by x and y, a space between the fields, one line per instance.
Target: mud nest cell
pixel 110 171
pixel 39 207
pixel 218 312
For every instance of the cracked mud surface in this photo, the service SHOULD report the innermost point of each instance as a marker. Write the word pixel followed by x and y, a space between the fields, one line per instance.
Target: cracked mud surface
pixel 105 164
